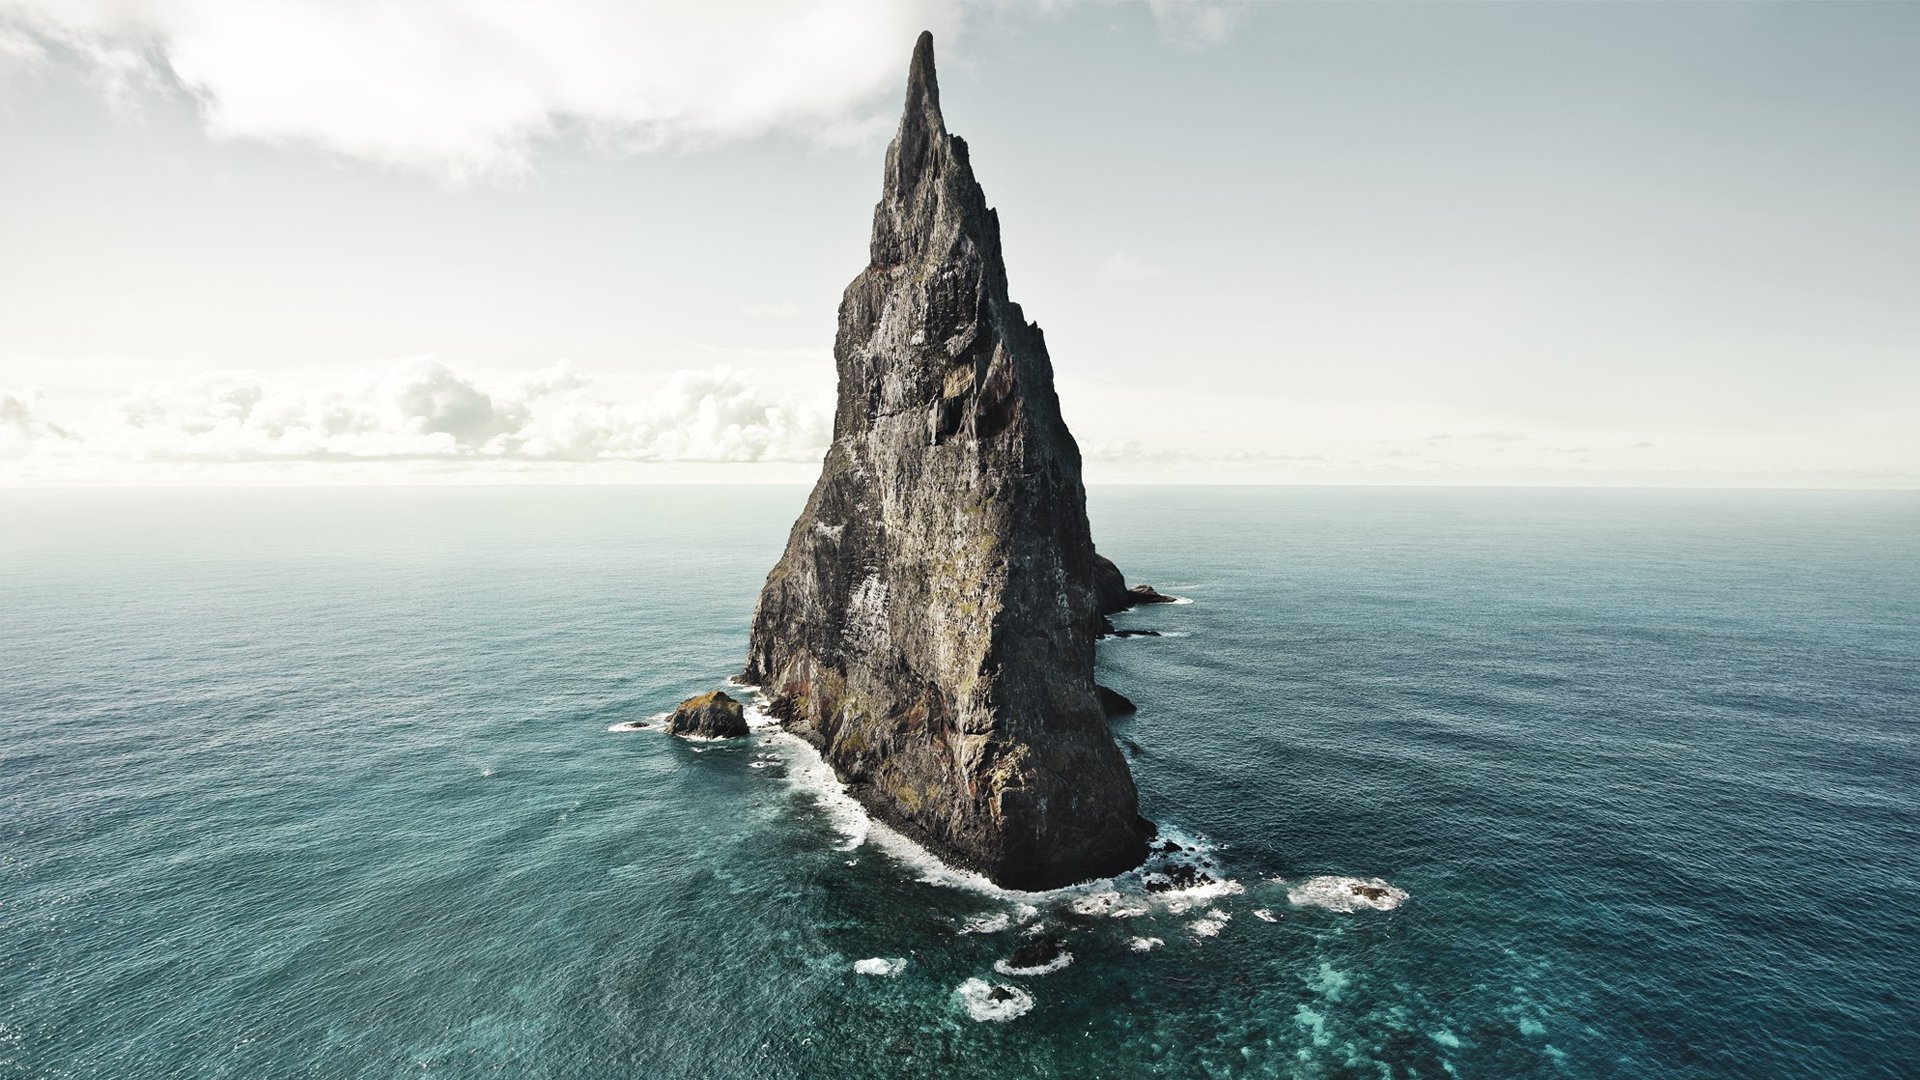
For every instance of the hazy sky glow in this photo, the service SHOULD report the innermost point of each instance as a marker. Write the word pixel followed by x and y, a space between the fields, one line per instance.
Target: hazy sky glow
pixel 1425 243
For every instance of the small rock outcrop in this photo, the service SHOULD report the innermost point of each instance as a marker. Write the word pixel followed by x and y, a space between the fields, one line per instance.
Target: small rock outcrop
pixel 930 627
pixel 1112 594
pixel 1147 594
pixel 708 716
pixel 1036 956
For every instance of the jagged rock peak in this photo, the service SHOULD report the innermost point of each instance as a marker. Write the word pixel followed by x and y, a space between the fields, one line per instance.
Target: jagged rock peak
pixel 930 626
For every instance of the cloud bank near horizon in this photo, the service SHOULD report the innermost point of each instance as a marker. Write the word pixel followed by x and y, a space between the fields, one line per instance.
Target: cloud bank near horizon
pixel 422 410
pixel 421 420
pixel 469 90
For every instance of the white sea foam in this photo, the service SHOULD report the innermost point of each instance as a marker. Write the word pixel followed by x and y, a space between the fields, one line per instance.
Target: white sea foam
pixel 1206 891
pixel 639 725
pixel 1178 600
pixel 1209 924
pixel 979 997
pixel 1264 915
pixel 1346 894
pixel 1145 944
pixel 1048 968
pixel 808 771
pixel 1109 902
pixel 1100 903
pixel 987 924
pixel 880 965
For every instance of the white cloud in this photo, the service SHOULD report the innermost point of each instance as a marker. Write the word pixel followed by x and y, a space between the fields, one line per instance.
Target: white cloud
pixel 1197 24
pixel 422 410
pixel 470 88
pixel 22 427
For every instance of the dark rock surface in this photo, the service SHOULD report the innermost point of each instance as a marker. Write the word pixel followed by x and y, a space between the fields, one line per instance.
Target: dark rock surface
pixel 1177 876
pixel 710 716
pixel 930 626
pixel 1037 953
pixel 1110 586
pixel 1112 594
pixel 1114 702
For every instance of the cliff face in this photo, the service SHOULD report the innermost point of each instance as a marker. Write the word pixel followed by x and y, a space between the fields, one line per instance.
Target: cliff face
pixel 930 627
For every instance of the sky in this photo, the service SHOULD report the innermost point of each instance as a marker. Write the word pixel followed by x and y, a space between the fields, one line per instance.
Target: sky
pixel 1551 244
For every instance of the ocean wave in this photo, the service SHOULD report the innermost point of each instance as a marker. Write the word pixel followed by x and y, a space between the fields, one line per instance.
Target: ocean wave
pixel 639 725
pixel 1048 968
pixel 987 924
pixel 1111 903
pixel 993 1002
pixel 810 772
pixel 1346 894
pixel 886 967
pixel 995 921
pixel 1264 915
pixel 1209 924
pixel 1145 944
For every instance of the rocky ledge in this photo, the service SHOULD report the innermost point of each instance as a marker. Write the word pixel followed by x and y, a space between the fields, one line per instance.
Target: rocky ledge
pixel 930 627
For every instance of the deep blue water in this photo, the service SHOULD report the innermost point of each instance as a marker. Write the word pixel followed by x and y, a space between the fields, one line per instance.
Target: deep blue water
pixel 319 784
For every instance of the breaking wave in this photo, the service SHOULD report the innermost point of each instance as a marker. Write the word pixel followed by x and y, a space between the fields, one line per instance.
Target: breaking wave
pixel 639 725
pixel 1048 968
pixel 1346 894
pixel 1209 924
pixel 995 1002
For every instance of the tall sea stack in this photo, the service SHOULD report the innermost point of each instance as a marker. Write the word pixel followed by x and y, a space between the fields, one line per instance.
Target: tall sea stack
pixel 930 628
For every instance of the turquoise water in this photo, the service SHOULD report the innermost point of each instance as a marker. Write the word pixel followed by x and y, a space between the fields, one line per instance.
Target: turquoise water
pixel 320 783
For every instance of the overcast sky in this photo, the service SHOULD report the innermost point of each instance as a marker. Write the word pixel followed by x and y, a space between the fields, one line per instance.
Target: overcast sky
pixel 1374 243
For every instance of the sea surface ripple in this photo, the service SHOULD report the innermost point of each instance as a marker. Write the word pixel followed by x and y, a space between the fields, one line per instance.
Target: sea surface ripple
pixel 321 783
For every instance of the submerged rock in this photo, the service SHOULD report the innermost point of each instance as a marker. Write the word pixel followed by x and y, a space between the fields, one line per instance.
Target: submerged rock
pixel 1037 957
pixel 1177 876
pixel 709 716
pixel 930 626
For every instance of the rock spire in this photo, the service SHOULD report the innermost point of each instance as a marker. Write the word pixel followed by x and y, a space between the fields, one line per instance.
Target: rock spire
pixel 930 627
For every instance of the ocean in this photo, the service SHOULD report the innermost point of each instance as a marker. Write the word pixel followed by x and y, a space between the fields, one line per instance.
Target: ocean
pixel 321 783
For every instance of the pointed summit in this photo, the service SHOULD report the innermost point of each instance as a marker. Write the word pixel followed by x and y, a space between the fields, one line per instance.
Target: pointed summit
pixel 930 626
pixel 922 155
pixel 923 88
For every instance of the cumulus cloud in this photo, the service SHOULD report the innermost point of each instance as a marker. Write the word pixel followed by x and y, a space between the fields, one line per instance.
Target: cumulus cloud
pixel 470 88
pixel 424 410
pixel 22 427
